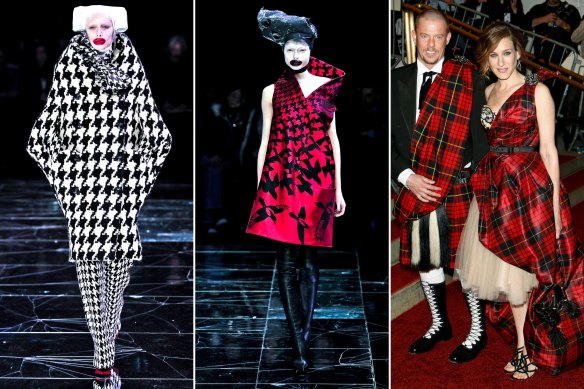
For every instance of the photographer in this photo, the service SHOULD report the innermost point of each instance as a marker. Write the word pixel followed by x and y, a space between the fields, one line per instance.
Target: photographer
pixel 555 19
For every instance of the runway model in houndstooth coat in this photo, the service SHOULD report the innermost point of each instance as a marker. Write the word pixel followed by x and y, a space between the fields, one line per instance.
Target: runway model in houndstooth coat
pixel 101 142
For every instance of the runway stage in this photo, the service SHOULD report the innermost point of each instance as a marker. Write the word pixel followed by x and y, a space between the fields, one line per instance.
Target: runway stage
pixel 44 338
pixel 241 334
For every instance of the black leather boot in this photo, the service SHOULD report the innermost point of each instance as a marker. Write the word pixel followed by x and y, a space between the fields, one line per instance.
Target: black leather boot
pixel 309 275
pixel 477 337
pixel 440 329
pixel 286 264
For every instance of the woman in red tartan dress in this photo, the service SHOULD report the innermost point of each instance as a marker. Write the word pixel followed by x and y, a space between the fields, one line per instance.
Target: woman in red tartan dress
pixel 518 247
pixel 299 189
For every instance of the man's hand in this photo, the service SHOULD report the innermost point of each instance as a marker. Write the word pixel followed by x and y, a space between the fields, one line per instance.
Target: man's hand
pixel 423 188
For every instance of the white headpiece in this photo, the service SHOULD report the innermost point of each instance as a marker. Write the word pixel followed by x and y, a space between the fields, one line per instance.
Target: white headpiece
pixel 118 15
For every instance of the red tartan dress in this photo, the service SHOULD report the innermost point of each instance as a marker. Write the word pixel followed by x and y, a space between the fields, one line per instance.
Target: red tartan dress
pixel 516 222
pixel 296 196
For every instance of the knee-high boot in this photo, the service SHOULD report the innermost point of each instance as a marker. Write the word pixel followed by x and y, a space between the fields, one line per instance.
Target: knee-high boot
pixel 117 274
pixel 90 275
pixel 477 336
pixel 286 264
pixel 441 328
pixel 309 276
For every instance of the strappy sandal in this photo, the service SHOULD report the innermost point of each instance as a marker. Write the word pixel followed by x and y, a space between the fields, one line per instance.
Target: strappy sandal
pixel 523 368
pixel 515 361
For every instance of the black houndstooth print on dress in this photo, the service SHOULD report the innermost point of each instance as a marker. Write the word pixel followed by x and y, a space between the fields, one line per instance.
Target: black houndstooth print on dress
pixel 101 142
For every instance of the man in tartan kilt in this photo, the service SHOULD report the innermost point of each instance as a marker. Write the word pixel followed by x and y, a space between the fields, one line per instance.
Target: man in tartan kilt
pixel 436 141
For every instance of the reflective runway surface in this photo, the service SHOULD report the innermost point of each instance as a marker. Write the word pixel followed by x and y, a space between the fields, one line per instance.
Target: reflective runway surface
pixel 44 338
pixel 241 336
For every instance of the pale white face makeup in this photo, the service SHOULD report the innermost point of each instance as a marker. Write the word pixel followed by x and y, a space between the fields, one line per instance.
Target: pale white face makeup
pixel 503 60
pixel 296 54
pixel 100 31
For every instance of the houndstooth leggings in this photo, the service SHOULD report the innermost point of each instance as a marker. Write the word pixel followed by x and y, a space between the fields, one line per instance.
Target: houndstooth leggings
pixel 102 287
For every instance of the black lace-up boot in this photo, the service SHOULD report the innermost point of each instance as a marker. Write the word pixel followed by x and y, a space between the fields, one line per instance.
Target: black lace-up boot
pixel 440 329
pixel 477 337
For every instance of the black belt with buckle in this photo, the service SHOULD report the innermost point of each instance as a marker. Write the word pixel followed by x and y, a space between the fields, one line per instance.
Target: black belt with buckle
pixel 512 149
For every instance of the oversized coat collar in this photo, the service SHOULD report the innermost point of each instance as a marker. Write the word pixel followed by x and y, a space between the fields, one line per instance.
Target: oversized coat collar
pixel 108 68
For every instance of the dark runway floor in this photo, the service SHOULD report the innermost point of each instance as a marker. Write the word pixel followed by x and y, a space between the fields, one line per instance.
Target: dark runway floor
pixel 44 341
pixel 241 336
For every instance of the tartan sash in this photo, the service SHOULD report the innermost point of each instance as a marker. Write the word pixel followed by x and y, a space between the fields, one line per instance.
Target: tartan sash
pixel 439 137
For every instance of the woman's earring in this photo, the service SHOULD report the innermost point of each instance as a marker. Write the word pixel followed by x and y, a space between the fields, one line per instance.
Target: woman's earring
pixel 518 66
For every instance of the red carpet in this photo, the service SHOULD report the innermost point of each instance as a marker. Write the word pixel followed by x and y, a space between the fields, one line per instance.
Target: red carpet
pixel 573 181
pixel 395 230
pixel 401 276
pixel 433 370
pixel 565 158
pixel 578 215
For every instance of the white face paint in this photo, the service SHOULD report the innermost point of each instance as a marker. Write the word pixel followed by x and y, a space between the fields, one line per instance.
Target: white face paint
pixel 100 31
pixel 296 54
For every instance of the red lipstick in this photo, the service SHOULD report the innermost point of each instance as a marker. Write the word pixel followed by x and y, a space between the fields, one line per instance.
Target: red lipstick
pixel 99 41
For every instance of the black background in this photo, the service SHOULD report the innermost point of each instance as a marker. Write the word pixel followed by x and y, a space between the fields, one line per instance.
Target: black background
pixel 230 47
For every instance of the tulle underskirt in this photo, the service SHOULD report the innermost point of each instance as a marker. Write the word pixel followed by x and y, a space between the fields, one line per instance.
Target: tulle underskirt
pixel 485 274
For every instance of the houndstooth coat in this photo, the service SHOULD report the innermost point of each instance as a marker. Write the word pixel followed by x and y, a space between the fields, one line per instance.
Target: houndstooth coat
pixel 101 142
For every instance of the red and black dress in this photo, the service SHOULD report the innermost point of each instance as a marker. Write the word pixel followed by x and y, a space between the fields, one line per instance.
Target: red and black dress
pixel 508 246
pixel 296 196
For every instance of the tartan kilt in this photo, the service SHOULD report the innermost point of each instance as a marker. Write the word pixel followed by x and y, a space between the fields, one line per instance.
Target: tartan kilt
pixel 457 204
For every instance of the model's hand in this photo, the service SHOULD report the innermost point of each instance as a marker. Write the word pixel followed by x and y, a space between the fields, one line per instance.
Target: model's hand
pixel 423 188
pixel 340 204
